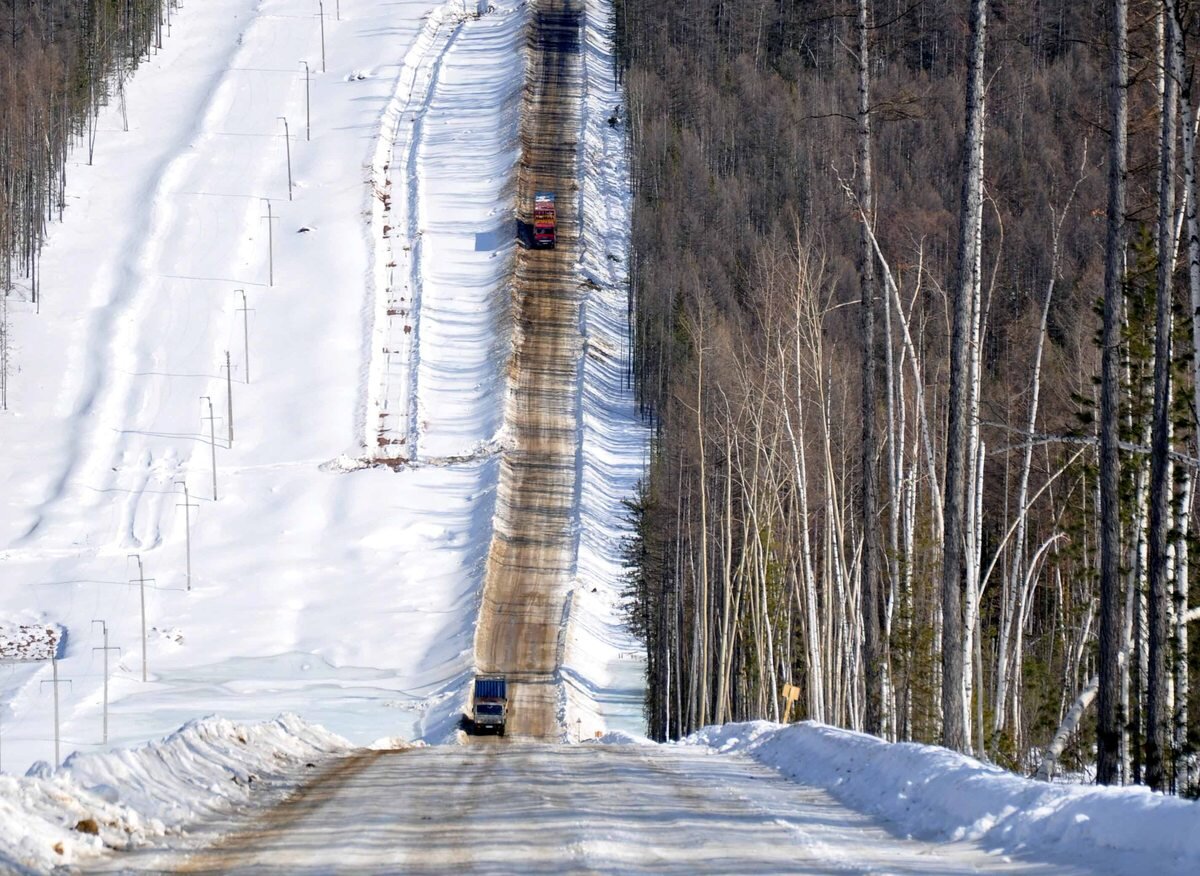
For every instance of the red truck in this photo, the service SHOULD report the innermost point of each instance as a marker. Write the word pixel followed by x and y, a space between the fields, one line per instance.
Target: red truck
pixel 545 220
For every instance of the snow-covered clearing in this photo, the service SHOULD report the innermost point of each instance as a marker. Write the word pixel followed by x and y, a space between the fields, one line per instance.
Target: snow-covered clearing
pixel 321 582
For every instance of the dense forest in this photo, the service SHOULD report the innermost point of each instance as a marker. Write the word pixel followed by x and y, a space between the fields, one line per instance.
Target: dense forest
pixel 60 61
pixel 881 248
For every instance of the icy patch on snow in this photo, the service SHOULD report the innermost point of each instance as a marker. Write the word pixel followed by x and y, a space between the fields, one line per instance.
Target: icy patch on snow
pixel 124 799
pixel 935 794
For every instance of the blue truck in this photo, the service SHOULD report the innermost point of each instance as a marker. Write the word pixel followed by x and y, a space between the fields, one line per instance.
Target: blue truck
pixel 489 709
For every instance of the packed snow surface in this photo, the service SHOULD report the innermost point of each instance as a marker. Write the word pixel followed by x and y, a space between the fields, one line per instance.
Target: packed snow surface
pixel 932 793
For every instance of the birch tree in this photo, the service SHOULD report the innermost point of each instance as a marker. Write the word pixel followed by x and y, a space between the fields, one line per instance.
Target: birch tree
pixel 970 211
pixel 873 659
pixel 1157 708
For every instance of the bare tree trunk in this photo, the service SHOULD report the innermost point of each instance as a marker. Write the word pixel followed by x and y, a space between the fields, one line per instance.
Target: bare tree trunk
pixel 802 311
pixel 872 657
pixel 1109 719
pixel 1179 647
pixel 1158 717
pixel 1193 257
pixel 971 208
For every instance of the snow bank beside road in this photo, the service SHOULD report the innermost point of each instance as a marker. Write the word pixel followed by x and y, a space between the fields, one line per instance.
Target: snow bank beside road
pixel 121 799
pixel 603 664
pixel 935 794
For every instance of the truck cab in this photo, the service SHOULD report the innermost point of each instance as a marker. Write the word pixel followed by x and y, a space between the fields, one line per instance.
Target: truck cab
pixel 489 709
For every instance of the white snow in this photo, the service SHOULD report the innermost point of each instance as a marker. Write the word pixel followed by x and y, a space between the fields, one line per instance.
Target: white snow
pixel 932 793
pixel 603 665
pixel 338 573
pixel 321 584
pixel 141 796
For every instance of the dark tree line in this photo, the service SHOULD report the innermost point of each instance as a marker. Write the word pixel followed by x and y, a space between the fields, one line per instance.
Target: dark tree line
pixel 808 245
pixel 60 61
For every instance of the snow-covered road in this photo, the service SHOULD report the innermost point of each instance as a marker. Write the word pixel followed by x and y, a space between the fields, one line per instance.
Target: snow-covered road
pixel 536 808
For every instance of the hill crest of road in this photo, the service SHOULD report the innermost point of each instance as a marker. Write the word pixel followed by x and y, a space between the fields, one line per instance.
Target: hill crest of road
pixel 533 542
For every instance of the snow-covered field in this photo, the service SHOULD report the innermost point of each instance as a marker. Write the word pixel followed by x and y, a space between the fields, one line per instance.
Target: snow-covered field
pixel 321 584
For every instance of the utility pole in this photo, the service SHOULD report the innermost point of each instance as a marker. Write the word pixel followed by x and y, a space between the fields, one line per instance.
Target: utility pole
pixel 244 310
pixel 212 441
pixel 141 582
pixel 187 506
pixel 321 7
pixel 270 217
pixel 229 397
pixel 105 650
pixel 307 105
pixel 287 142
pixel 4 350
pixel 56 681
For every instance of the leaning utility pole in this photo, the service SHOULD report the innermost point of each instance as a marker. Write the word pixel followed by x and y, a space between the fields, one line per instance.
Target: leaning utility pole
pixel 4 329
pixel 56 681
pixel 187 506
pixel 141 582
pixel 229 398
pixel 307 104
pixel 244 310
pixel 287 142
pixel 321 12
pixel 105 650
pixel 212 441
pixel 271 218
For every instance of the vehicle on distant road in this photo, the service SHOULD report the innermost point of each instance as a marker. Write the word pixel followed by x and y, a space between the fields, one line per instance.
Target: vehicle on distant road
pixel 545 220
pixel 489 707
